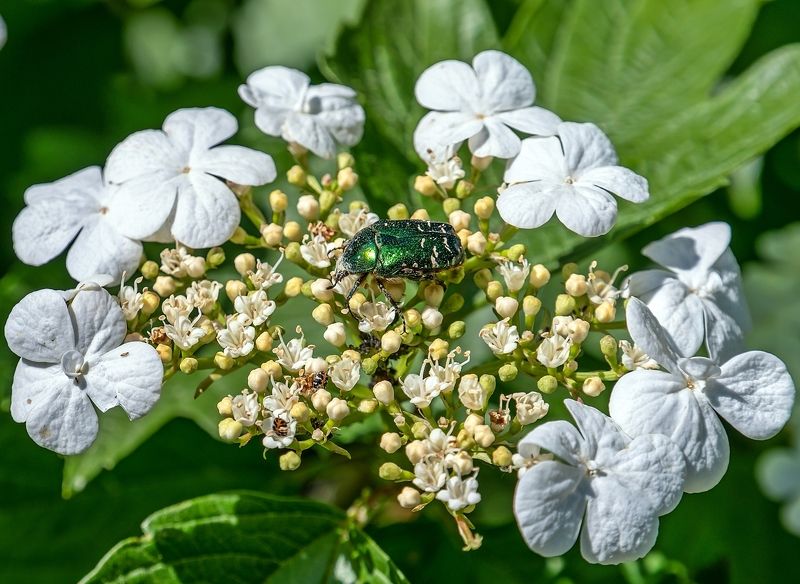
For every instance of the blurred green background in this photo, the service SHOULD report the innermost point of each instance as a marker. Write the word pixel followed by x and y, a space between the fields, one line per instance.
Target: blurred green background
pixel 77 76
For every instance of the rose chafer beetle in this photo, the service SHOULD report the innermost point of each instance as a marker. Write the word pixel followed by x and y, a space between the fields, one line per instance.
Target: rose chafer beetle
pixel 408 248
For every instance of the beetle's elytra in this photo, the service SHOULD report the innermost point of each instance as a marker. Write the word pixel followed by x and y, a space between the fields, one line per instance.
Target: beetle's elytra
pixel 408 248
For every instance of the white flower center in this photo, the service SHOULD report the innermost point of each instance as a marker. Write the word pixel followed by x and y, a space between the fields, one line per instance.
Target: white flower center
pixel 73 364
pixel 569 180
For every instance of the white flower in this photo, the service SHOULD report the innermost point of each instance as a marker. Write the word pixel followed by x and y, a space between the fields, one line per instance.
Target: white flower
pixel 572 175
pixel 75 209
pixel 265 275
pixel 752 391
pixel 530 407
pixel 256 307
pixel 634 358
pixel 176 306
pixel 459 493
pixel 553 351
pixel 526 456
pixel 279 429
pixel 183 332
pixel 600 285
pixel 375 316
pixel 354 221
pixel 314 116
pixel 73 356
pixel 345 374
pixel 346 284
pixel 444 167
pixel 177 262
pixel 479 103
pixel 283 396
pixel 447 374
pixel 501 337
pixel 616 486
pixel 515 274
pixel 421 390
pixel 172 180
pixel 430 474
pixel 245 408
pixel 294 354
pixel 203 295
pixel 700 292
pixel 471 394
pixel 440 443
pixel 315 251
pixel 130 299
pixel 238 338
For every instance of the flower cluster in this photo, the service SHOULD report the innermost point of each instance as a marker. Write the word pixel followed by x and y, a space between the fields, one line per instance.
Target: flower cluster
pixel 394 338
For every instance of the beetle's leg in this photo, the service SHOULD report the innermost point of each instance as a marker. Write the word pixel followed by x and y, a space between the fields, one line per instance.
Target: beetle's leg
pixel 353 290
pixel 392 301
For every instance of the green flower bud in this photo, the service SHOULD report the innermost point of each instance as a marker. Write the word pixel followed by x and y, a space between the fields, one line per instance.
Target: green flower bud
pixel 293 253
pixel 482 278
pixel 508 372
pixel 568 270
pixel 565 305
pixel 488 383
pixel 464 189
pixel 397 212
pixel 547 384
pixel 188 365
pixel 608 347
pixel 215 257
pixel 450 205
pixel 456 330
pixel 420 430
pixel 344 160
pixel 369 365
pixel 452 303
pixel 515 252
pixel 296 176
pixel 289 461
pixel 389 471
pixel 239 236
pixel 150 270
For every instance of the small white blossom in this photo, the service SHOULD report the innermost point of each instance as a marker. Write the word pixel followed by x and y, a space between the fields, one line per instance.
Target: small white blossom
pixel 375 316
pixel 171 181
pixel 266 275
pixel 430 474
pixel 346 284
pixel 530 407
pixel 354 221
pixel 570 328
pixel 421 390
pixel 617 487
pixel 700 293
pixel 478 103
pixel 459 493
pixel 553 351
pixel 279 430
pixel 256 307
pixel 283 396
pixel 471 394
pixel 345 374
pixel 313 116
pixel 75 210
pixel 72 360
pixel 238 338
pixel 176 306
pixel 600 285
pixel 573 176
pixel 526 456
pixel 515 274
pixel 634 358
pixel 315 251
pixel 130 299
pixel 245 408
pixel 501 337
pixel 294 354
pixel 447 374
pixel 441 444
pixel 752 391
pixel 444 167
pixel 203 295
pixel 178 262
pixel 184 332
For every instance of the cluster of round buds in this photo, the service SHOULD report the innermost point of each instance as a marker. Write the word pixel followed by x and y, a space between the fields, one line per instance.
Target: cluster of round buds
pixel 594 296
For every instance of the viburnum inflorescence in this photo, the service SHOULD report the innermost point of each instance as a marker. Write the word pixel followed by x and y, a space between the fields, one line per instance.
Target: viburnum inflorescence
pixel 453 399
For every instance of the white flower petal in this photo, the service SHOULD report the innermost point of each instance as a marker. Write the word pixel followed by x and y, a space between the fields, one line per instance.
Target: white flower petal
pixel 549 503
pixel 559 437
pixel 195 130
pixel 601 435
pixel 65 421
pixel 448 86
pixel 41 232
pixel 531 120
pixel 306 130
pixel 344 118
pixel 144 154
pixel 437 130
pixel 237 164
pixel 270 119
pixel 85 185
pixel 504 83
pixel 495 139
pixel 129 375
pixel 39 327
pixel 724 335
pixel 539 159
pixel 528 205
pixel 654 402
pixel 99 322
pixel 587 211
pixel 648 334
pixel 618 180
pixel 754 393
pixel 585 147
pixel 620 525
pixel 32 384
pixel 692 250
pixel 101 249
pixel 141 206
pixel 276 86
pixel 207 212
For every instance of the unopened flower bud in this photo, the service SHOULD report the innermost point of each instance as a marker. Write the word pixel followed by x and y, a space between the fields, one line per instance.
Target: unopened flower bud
pixel 321 399
pixel 292 252
pixel 420 430
pixel 321 289
pixel 239 236
pixel 272 368
pixel 462 463
pixel 272 234
pixel 568 269
pixel 383 392
pixel 367 406
pixel 438 349
pixel 547 384
pixel 195 267
pixel 531 305
pixel 413 317
pixel 540 276
pixel 476 243
pixel 425 185
pixel 565 305
pixel 421 215
pixel 229 429
pixel 149 270
pixel 234 289
pixel 593 386
pixel 481 162
pixel 501 456
pixel 188 365
pixel 244 263
pixel 335 334
pixel 323 314
pixel 150 302
pixel 164 352
pixel 507 372
pixel 316 365
pixel 289 461
pixel 318 435
pixel 456 330
pixel 431 318
pixel 494 291
pixel 409 498
pixel 570 367
pixel 482 278
pixel 397 212
pixel 346 179
pixel 608 347
pixel 215 257
pixel 264 342
pixel 463 236
pixel 576 285
pixel 222 361
pixel 308 207
pixel 292 231
pixel 164 286
pixel 472 422
pixel 459 219
pixel 391 442
pixel 296 176
pixel 389 471
pixel 450 205
pixel 391 342
pixel 506 306
pixel 483 435
pixel 369 365
pixel 433 294
pixel 484 207
pixel 351 354
pixel 300 412
pixel 416 450
pixel 293 287
pixel 278 201
pixel 605 312
pixel 580 330
pixel 464 189
pixel 225 406
pixel 453 303
pixel 337 409
pixel 257 380
pixel 516 252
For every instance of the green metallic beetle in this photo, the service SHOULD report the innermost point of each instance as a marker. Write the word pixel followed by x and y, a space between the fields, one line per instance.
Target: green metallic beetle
pixel 408 248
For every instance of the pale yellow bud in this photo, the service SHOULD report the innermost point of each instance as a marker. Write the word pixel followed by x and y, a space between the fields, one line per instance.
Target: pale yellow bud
pixel 463 236
pixel 501 456
pixel 367 406
pixel 391 442
pixel 459 220
pixel 483 435
pixel 149 270
pixel 257 380
pixel 476 243
pixel 450 205
pixel 164 353
pixel 337 409
pixel 264 342
pixel 433 295
pixel 409 498
pixel 462 463
pixel 421 215
pixel 506 306
pixel 351 354
pixel 150 302
pixel 425 185
pixel 278 201
pixel 397 212
pixel 296 176
pixel 164 286
pixel 289 461
pixel 225 406
pixel 224 362
pixel 294 287
pixel 540 276
pixel 531 305
pixel 416 450
pixel 484 207
pixel 322 290
pixel 273 369
pixel 565 304
pixel 195 267
pixel 234 289
pixel 576 285
pixel 580 330
pixel 300 412
pixel 272 234
pixel 472 422
pixel 244 262
pixel 383 392
pixel 308 207
pixel 391 342
pixel 481 162
pixel 321 399
pixel 413 317
pixel 229 429
pixel 346 179
pixel 431 318
pixel 188 365
pixel 335 334
pixel 494 290
pixel 593 386
pixel 323 314
pixel 605 312
pixel 292 231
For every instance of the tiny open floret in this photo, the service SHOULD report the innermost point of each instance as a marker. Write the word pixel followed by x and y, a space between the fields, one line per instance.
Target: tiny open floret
pixel 616 486
pixel 73 357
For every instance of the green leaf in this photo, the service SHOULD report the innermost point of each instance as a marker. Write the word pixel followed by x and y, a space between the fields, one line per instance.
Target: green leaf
pixel 246 537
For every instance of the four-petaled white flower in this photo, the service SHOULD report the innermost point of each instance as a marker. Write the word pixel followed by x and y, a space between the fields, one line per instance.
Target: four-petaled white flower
pixel 375 316
pixel 178 262
pixel 634 358
pixel 478 103
pixel 459 493
pixel 238 338
pixel 279 430
pixel 430 474
pixel 75 209
pixel 314 116
pixel 283 396
pixel 501 337
pixel 421 390
pixel 203 295
pixel 73 356
pixel 515 274
pixel 345 374
pixel 615 485
pixel 472 395
pixel 266 275
pixel 294 354
pixel 572 175
pixel 255 307
pixel 530 407
pixel 354 221
pixel 245 408
pixel 172 180
pixel 553 351
pixel 700 292
pixel 752 391
pixel 315 251
pixel 184 332
pixel 176 306
pixel 446 374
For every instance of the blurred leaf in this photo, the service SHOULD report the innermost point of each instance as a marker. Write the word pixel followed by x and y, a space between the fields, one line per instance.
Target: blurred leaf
pixel 246 537
pixel 744 192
